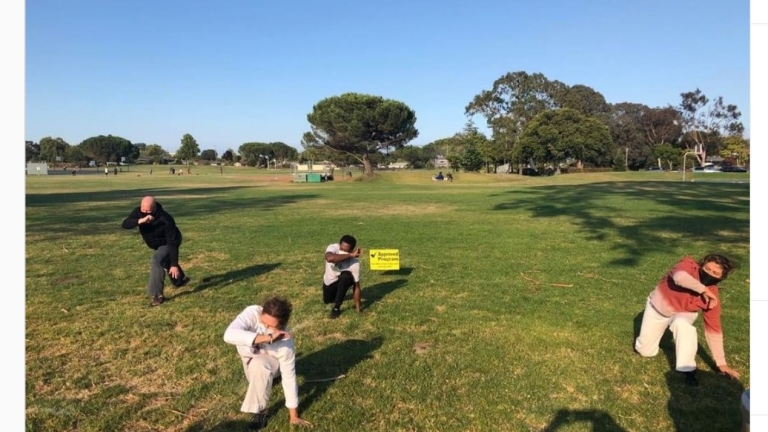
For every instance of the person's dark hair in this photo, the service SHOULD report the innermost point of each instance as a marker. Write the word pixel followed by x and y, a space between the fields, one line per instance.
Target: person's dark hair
pixel 348 239
pixel 279 308
pixel 726 263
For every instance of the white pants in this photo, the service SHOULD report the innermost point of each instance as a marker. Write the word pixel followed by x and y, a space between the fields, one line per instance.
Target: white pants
pixel 683 331
pixel 260 370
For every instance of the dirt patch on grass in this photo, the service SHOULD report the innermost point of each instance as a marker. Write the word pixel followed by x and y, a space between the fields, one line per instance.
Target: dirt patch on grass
pixel 205 258
pixel 331 207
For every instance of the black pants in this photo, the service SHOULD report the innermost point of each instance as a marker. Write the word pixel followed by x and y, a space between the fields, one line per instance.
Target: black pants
pixel 335 292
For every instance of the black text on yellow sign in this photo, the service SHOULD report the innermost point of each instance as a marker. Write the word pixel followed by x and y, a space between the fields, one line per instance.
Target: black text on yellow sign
pixel 384 259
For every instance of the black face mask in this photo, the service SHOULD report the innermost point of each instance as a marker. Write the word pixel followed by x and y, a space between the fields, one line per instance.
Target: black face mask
pixel 706 279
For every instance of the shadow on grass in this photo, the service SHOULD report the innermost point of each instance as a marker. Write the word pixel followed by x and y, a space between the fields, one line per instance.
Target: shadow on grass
pixel 715 405
pixel 51 213
pixel 225 426
pixel 231 277
pixel 604 211
pixel 600 421
pixel 375 293
pixel 667 345
pixel 404 271
pixel 330 362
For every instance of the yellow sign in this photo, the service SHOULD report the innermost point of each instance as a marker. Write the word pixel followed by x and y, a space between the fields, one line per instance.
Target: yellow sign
pixel 384 259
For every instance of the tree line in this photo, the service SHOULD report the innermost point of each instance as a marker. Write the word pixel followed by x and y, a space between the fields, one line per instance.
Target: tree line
pixel 110 148
pixel 535 122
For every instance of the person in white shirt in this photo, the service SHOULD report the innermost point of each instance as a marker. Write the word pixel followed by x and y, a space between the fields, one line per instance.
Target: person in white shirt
pixel 266 349
pixel 342 271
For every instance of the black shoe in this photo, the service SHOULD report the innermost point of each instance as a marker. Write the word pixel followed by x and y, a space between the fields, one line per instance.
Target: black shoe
pixel 334 313
pixel 157 300
pixel 181 283
pixel 259 420
pixel 690 379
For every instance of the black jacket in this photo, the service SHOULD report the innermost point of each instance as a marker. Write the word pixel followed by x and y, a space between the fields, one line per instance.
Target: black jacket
pixel 161 231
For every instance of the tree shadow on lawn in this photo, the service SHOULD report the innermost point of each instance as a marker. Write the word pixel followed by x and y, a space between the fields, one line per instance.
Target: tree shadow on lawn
pixel 695 211
pixel 329 362
pixel 65 220
pixel 600 420
pixel 229 278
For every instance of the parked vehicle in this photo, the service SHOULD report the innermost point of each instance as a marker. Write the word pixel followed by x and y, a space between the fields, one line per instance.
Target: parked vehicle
pixel 733 169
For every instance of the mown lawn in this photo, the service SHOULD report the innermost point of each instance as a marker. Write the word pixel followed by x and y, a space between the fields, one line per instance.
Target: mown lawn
pixel 515 308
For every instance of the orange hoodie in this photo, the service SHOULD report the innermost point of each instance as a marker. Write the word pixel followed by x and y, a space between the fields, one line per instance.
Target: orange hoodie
pixel 681 291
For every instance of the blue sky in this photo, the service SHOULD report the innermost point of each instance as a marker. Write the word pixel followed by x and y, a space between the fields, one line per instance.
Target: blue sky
pixel 240 71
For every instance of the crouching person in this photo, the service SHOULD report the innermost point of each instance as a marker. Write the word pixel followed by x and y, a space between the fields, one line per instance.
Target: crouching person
pixel 266 350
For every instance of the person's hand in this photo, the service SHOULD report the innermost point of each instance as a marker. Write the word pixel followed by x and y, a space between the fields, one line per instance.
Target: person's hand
pixel 728 371
pixel 279 334
pixel 146 219
pixel 300 421
pixel 174 272
pixel 711 299
pixel 357 252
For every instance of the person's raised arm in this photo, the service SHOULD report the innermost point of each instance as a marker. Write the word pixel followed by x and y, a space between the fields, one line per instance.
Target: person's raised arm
pixel 339 257
pixel 134 219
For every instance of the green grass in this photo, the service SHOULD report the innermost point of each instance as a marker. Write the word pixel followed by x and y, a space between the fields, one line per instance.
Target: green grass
pixel 471 334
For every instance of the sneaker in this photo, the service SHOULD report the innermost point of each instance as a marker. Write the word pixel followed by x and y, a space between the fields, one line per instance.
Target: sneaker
pixel 334 313
pixel 157 300
pixel 690 379
pixel 182 283
pixel 259 420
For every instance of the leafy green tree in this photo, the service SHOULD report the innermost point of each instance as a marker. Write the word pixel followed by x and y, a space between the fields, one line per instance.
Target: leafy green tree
pixel 668 154
pixel 556 136
pixel 32 151
pixel 737 148
pixel 705 120
pixel 189 148
pixel 625 122
pixel 107 148
pixel 155 153
pixel 51 148
pixel 209 155
pixel 228 155
pixel 360 125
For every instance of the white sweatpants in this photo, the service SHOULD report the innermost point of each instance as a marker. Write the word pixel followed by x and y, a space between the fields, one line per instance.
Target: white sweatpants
pixel 683 331
pixel 260 370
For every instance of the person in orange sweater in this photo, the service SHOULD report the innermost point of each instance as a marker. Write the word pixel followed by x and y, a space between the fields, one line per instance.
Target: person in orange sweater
pixel 689 287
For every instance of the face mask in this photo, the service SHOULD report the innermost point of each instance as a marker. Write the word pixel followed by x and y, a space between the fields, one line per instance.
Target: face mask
pixel 706 279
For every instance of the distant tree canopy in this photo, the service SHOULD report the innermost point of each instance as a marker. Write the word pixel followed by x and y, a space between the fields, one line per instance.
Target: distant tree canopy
pixel 533 120
pixel 107 148
pixel 636 130
pixel 189 148
pixel 360 126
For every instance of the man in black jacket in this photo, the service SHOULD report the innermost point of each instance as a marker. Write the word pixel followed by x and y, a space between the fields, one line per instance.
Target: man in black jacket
pixel 159 231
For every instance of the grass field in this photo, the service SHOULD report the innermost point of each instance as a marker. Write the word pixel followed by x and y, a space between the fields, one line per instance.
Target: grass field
pixel 515 308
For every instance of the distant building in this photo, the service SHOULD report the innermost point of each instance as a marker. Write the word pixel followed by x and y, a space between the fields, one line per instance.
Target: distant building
pixel 37 168
pixel 441 162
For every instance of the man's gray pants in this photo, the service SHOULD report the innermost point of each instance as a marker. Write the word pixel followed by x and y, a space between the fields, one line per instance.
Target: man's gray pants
pixel 158 267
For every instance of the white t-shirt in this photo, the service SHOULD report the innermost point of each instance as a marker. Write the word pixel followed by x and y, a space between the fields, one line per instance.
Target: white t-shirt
pixel 333 270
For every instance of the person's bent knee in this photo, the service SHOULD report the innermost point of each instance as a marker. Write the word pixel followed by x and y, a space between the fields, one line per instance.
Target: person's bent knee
pixel 645 351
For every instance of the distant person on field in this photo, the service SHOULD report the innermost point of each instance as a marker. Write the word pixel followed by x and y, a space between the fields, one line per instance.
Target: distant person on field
pixel 342 272
pixel 689 287
pixel 159 231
